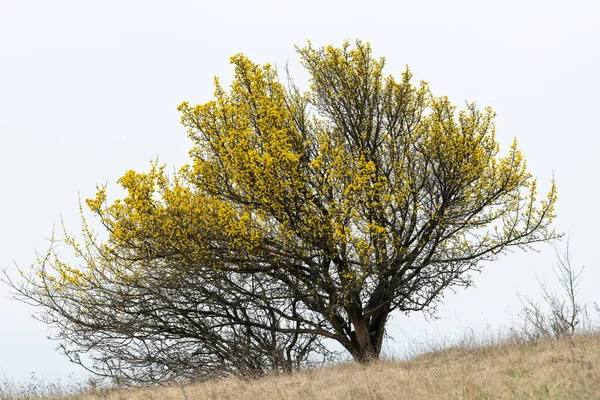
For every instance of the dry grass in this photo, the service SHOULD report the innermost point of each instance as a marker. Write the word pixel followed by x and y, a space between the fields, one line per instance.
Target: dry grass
pixel 565 369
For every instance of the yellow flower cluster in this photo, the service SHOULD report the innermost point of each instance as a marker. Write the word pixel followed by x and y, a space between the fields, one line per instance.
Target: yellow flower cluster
pixel 361 168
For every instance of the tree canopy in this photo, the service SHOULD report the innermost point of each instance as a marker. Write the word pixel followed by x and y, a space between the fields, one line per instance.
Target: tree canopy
pixel 302 215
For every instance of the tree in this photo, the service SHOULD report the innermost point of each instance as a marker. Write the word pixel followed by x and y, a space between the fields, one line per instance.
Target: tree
pixel 565 314
pixel 302 216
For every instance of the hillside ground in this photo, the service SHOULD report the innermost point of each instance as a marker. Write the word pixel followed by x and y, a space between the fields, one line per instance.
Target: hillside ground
pixel 510 369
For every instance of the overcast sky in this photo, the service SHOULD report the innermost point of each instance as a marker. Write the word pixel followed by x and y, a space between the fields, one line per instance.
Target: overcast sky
pixel 89 89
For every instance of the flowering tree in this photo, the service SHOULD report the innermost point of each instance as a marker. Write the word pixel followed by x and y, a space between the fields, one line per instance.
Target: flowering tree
pixel 302 216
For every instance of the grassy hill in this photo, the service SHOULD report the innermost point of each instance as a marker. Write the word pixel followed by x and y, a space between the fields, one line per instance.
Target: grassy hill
pixel 564 369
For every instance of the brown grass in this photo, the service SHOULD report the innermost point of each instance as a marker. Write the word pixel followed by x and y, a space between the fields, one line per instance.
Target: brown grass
pixel 565 369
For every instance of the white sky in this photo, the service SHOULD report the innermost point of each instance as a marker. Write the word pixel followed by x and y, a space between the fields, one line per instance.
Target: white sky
pixel 89 89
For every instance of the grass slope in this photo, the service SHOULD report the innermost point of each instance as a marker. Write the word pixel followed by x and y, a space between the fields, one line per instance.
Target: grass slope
pixel 565 369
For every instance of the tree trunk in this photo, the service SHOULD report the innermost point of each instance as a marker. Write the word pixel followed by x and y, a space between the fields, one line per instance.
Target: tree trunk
pixel 366 343
pixel 364 349
pixel 367 337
